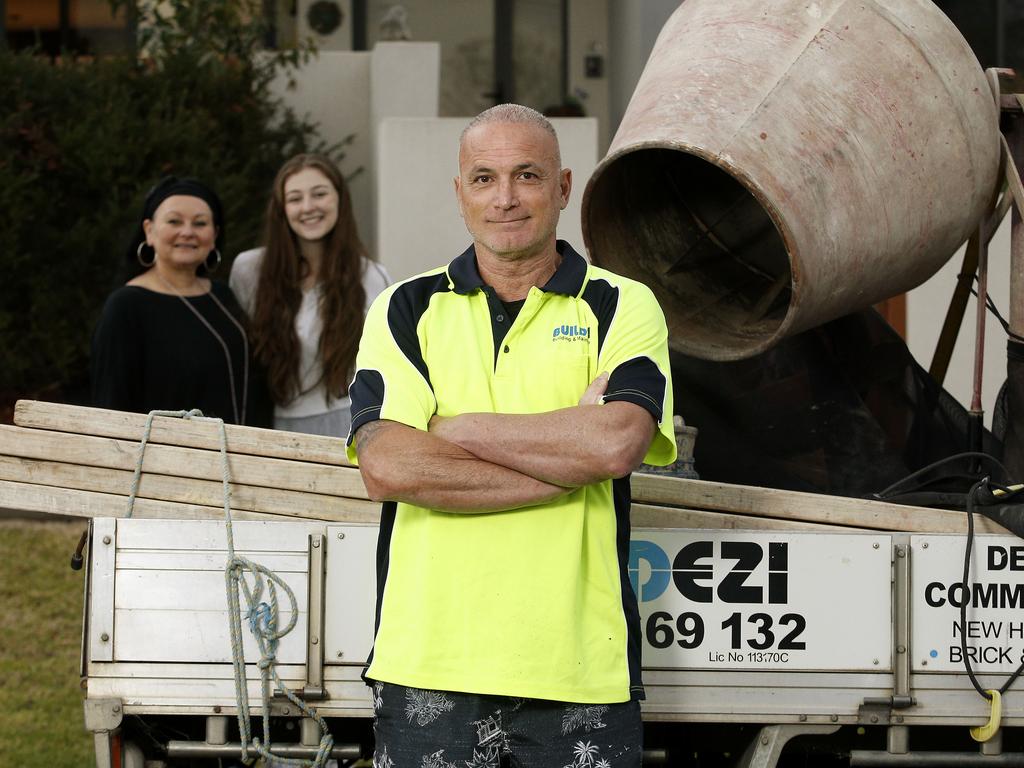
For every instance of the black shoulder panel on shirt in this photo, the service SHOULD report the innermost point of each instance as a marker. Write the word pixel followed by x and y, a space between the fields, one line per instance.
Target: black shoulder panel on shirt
pixel 407 305
pixel 367 395
pixel 603 299
pixel 638 381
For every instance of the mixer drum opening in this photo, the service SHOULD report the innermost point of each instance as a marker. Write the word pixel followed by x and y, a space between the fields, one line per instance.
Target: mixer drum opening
pixel 700 240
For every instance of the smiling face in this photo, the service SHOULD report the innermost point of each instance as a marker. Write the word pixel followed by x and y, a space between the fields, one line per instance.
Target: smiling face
pixel 510 189
pixel 310 204
pixel 181 232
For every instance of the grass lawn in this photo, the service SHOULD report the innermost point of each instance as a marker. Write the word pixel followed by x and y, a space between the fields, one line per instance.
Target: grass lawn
pixel 41 721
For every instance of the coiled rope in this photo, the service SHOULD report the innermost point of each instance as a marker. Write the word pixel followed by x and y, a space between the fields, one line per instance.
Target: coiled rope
pixel 263 618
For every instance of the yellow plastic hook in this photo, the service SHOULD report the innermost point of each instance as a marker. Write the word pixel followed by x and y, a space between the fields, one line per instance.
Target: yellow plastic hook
pixel 991 728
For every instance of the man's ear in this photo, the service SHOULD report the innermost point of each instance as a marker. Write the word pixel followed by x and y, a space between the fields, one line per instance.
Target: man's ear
pixel 458 195
pixel 565 185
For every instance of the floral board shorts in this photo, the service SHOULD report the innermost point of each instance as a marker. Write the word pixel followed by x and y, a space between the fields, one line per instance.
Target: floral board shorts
pixel 415 728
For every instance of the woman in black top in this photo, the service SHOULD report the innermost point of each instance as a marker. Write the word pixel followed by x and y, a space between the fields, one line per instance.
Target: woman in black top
pixel 171 338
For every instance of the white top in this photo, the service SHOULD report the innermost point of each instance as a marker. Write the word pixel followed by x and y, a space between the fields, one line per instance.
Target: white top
pixel 312 398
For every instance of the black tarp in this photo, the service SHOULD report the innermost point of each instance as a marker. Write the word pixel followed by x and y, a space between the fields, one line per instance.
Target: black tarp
pixel 842 409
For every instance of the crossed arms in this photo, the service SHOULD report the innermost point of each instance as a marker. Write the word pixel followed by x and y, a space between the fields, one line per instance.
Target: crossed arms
pixel 485 462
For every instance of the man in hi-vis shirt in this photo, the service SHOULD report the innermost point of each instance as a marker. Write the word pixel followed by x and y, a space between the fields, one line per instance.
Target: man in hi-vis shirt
pixel 499 405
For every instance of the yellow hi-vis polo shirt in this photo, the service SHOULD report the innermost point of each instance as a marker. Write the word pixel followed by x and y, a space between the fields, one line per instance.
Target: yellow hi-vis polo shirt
pixel 533 602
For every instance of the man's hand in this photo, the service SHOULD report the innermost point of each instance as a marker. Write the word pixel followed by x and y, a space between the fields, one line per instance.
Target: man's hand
pixel 595 392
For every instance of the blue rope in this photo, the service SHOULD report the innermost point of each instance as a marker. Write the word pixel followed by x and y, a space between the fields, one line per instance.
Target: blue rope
pixel 262 616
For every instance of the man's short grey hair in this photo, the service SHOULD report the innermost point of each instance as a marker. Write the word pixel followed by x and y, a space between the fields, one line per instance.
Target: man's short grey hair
pixel 513 113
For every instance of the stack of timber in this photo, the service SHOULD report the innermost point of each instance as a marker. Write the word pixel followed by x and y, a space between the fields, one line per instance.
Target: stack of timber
pixel 69 460
pixel 74 461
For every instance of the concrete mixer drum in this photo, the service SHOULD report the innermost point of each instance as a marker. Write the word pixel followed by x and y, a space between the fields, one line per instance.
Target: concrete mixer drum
pixel 722 259
pixel 783 164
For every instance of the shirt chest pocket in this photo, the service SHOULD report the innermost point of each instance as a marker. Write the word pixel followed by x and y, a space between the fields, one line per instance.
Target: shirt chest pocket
pixel 549 376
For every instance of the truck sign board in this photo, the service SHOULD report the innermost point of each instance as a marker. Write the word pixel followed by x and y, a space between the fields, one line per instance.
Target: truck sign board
pixel 763 601
pixel 994 598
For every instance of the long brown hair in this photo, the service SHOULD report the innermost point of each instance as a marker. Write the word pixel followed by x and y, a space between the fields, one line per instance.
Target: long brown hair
pixel 279 291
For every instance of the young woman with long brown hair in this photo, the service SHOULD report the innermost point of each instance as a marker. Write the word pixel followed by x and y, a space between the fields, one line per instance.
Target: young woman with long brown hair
pixel 306 293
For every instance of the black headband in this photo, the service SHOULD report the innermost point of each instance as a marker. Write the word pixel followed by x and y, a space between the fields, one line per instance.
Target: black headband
pixel 172 185
pixel 166 187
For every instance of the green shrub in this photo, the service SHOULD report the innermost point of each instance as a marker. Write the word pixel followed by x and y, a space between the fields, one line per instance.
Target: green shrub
pixel 82 141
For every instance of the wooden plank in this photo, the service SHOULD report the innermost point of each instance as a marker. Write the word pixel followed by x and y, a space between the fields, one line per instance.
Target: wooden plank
pixel 647 516
pixel 809 507
pixel 77 503
pixel 64 501
pixel 209 493
pixel 187 433
pixel 169 460
pixel 46 499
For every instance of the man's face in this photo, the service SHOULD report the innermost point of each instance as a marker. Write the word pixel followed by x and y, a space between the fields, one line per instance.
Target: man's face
pixel 510 188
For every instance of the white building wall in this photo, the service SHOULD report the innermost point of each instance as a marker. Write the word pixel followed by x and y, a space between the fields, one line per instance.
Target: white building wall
pixel 350 92
pixel 333 90
pixel 588 36
pixel 405 80
pixel 464 29
pixel 633 27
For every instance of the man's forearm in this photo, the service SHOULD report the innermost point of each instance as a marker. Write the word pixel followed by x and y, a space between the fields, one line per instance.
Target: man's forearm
pixel 399 463
pixel 570 447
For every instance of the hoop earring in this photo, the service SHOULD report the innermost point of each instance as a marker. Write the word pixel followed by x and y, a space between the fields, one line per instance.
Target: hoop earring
pixel 216 262
pixel 138 255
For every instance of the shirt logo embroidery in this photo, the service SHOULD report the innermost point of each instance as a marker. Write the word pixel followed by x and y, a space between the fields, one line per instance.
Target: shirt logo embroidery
pixel 570 333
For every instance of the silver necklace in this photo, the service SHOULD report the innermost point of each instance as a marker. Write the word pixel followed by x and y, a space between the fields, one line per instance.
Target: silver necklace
pixel 239 415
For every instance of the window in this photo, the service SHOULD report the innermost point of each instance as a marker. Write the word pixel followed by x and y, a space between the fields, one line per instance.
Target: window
pixel 83 27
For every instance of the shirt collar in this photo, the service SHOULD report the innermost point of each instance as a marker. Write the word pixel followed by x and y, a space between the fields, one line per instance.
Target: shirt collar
pixel 568 278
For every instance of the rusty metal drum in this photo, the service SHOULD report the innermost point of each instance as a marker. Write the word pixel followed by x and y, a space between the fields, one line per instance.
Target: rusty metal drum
pixel 783 163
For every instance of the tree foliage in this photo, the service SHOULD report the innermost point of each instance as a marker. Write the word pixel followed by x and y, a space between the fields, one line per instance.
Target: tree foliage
pixel 82 140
